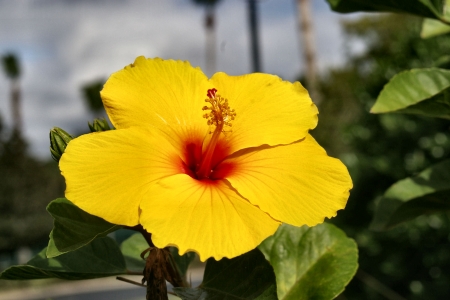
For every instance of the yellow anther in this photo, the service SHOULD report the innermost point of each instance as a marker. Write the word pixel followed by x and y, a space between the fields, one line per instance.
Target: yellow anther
pixel 221 115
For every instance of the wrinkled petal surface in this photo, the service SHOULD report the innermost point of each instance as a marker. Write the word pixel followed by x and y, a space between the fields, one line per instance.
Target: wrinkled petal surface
pixel 296 184
pixel 107 173
pixel 267 170
pixel 156 91
pixel 208 217
pixel 269 111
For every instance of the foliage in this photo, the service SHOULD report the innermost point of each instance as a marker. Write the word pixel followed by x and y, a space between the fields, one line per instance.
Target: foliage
pixel 23 195
pixel 416 91
pixel 311 263
pixel 423 8
pixel 100 258
pixel 73 228
pixel 425 193
pixel 409 260
pixel 255 279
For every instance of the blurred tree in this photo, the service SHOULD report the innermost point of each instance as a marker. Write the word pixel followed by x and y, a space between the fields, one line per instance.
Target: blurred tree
pixel 26 187
pixel 411 261
pixel 210 27
pixel 91 93
pixel 11 67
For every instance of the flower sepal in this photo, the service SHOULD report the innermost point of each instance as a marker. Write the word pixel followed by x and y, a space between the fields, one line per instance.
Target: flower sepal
pixel 58 142
pixel 99 125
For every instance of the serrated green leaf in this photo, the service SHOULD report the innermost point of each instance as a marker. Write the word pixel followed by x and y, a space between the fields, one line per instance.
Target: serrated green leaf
pixel 73 228
pixel 424 8
pixel 426 193
pixel 248 276
pixel 101 258
pixel 133 247
pixel 406 91
pixel 311 262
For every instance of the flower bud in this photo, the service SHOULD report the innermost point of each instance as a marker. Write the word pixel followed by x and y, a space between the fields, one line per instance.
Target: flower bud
pixel 99 125
pixel 58 142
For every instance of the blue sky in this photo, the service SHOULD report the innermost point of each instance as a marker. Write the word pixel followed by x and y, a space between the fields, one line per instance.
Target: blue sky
pixel 64 44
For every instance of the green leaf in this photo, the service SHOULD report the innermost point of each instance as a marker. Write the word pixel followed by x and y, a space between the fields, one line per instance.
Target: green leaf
pixel 182 261
pixel 426 193
pixel 431 28
pixel 311 263
pixel 442 62
pixel 73 228
pixel 437 107
pixel 248 276
pixel 133 247
pixel 406 92
pixel 101 258
pixel 424 8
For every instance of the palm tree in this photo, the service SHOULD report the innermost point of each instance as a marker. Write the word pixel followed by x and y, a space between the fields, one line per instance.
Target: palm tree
pixel 309 53
pixel 11 67
pixel 210 25
pixel 91 93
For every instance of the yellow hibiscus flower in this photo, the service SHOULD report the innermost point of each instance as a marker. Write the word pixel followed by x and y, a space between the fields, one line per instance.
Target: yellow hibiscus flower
pixel 206 165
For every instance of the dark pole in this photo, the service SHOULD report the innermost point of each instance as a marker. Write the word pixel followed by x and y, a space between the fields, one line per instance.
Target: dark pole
pixel 253 22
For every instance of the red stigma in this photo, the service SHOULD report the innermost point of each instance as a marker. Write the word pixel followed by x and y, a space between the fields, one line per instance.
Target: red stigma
pixel 211 93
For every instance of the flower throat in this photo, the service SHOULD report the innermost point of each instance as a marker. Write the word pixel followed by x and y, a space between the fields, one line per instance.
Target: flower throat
pixel 220 115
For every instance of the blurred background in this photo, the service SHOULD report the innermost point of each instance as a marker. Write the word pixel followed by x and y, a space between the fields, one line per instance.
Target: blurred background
pixel 56 55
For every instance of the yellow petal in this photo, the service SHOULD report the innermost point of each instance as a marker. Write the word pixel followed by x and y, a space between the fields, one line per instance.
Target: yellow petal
pixel 269 111
pixel 107 174
pixel 154 91
pixel 207 217
pixel 297 184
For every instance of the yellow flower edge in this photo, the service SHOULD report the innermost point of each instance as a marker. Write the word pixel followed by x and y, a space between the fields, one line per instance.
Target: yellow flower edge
pixel 217 189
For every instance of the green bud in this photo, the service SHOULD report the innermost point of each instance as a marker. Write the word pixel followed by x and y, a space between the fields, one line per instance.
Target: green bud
pixel 58 142
pixel 99 125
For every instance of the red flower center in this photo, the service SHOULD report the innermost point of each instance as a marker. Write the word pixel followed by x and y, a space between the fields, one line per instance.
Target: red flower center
pixel 206 161
pixel 216 166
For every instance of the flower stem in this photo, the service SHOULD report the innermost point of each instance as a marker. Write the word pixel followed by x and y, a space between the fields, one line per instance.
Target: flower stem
pixel 159 267
pixel 145 234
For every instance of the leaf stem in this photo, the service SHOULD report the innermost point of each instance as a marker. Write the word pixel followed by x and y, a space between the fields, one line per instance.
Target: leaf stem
pixel 130 281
